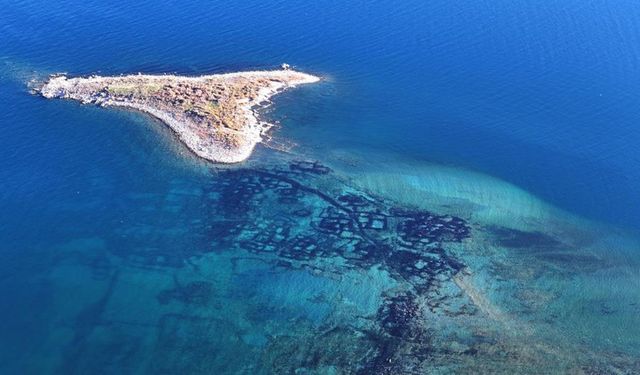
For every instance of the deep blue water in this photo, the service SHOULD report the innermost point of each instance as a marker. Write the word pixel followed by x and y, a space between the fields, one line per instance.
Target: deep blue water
pixel 540 96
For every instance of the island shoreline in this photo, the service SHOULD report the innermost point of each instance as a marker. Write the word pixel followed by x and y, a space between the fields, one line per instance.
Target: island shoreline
pixel 228 133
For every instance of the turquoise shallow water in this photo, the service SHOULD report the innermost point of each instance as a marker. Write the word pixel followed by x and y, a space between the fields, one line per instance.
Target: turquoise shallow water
pixel 456 196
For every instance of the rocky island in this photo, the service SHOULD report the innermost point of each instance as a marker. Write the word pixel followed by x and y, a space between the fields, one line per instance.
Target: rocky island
pixel 213 114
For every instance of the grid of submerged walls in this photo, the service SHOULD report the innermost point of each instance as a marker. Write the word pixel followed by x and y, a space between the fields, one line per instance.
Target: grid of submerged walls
pixel 300 216
pixel 317 222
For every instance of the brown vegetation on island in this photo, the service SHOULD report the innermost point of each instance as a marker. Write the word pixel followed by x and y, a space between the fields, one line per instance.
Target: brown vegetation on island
pixel 211 114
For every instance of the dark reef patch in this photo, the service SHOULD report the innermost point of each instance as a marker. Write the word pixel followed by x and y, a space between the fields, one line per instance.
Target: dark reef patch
pixel 403 343
pixel 398 314
pixel 517 239
pixel 545 249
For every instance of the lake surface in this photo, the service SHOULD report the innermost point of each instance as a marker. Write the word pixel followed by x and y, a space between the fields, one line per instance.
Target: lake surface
pixel 458 194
